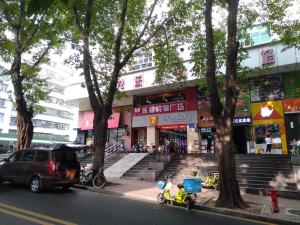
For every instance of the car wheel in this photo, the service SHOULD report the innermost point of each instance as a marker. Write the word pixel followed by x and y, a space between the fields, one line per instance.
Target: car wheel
pixel 190 204
pixel 35 185
pixel 161 198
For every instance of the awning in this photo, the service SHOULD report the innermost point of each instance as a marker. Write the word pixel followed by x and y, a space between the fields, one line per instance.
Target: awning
pixel 88 117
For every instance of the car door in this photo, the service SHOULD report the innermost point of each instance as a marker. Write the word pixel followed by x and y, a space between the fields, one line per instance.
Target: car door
pixel 27 166
pixel 11 167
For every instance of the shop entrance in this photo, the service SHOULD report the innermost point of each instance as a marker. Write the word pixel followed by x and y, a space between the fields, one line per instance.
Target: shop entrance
pixel 239 134
pixel 177 136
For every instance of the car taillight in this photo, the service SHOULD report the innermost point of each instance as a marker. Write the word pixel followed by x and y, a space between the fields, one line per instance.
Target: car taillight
pixel 51 168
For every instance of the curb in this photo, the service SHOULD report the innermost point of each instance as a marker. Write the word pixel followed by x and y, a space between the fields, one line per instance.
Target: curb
pixel 223 211
pixel 245 215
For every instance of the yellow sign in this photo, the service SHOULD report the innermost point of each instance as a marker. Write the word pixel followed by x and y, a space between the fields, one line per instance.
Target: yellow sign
pixel 271 112
pixel 153 120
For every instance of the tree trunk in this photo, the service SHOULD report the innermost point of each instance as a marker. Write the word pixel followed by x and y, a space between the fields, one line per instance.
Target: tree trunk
pixel 229 195
pixel 25 131
pixel 100 137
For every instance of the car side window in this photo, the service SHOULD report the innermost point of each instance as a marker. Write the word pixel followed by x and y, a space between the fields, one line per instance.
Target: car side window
pixel 28 156
pixel 15 157
pixel 42 156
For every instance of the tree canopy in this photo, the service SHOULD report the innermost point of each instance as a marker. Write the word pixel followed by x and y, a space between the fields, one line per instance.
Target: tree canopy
pixel 25 41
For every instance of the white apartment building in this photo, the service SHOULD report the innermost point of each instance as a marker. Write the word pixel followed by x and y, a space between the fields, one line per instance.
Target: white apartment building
pixel 55 125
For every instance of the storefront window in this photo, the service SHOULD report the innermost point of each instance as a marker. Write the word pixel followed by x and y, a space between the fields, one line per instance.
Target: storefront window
pixel 178 136
pixel 273 130
pixel 141 137
pixel 266 88
pixel 116 136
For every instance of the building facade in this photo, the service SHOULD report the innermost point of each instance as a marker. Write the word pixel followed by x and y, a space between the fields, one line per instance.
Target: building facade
pixel 181 112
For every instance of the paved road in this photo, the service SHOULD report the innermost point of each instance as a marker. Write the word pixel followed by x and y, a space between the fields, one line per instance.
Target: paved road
pixel 18 206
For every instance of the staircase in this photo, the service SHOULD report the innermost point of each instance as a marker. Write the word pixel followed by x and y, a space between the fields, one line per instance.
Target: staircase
pixel 183 166
pixel 255 173
pixel 109 161
pixel 134 172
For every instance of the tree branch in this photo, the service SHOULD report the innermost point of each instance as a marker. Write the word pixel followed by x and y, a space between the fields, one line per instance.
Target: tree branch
pixel 87 59
pixel 137 44
pixel 216 105
pixel 33 33
pixel 232 89
pixel 88 17
pixel 141 45
pixel 22 13
pixel 41 57
pixel 96 84
pixel 120 33
pixel 117 67
pixel 77 20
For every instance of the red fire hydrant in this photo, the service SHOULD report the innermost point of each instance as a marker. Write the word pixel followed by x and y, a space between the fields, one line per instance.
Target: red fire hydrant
pixel 274 199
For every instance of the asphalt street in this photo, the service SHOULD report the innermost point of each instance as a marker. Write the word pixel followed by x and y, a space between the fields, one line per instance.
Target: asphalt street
pixel 18 206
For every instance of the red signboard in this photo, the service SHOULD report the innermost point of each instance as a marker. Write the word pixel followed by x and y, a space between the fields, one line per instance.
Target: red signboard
pixel 291 105
pixel 171 127
pixel 159 108
pixel 88 118
pixel 138 81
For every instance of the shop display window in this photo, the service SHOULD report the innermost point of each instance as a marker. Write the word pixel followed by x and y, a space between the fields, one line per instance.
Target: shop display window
pixel 178 136
pixel 205 134
pixel 266 88
pixel 273 130
pixel 116 136
pixel 141 137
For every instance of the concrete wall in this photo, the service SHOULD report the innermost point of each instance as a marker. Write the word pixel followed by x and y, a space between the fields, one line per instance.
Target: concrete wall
pixel 152 137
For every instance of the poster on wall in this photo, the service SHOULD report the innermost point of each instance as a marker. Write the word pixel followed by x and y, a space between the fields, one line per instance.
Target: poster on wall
pixel 266 88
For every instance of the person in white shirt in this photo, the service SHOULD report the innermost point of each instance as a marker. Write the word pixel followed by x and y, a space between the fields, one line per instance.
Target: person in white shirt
pixel 268 141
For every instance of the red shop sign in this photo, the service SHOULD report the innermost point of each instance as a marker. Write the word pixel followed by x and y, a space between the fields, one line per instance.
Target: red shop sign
pixel 171 127
pixel 159 108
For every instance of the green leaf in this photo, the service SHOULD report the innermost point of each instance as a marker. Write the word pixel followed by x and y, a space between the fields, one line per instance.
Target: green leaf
pixel 36 6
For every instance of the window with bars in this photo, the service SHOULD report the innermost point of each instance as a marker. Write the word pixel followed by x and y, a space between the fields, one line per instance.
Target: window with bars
pixel 141 61
pixel 44 124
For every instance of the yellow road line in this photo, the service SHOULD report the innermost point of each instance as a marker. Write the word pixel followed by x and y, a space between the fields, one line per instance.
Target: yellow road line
pixel 28 218
pixel 238 218
pixel 38 215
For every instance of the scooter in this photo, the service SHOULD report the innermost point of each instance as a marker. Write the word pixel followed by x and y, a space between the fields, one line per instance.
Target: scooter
pixel 212 181
pixel 182 198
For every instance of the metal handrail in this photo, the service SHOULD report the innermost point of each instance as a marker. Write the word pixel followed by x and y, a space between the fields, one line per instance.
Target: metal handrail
pixel 109 151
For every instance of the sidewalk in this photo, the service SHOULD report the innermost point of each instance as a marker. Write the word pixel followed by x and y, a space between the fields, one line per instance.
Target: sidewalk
pixel 144 190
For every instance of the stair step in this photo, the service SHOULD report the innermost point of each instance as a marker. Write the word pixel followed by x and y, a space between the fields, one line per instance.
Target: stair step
pixel 267 187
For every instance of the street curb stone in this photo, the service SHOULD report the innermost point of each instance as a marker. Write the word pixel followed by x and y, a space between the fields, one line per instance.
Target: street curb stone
pixel 201 207
pixel 244 215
